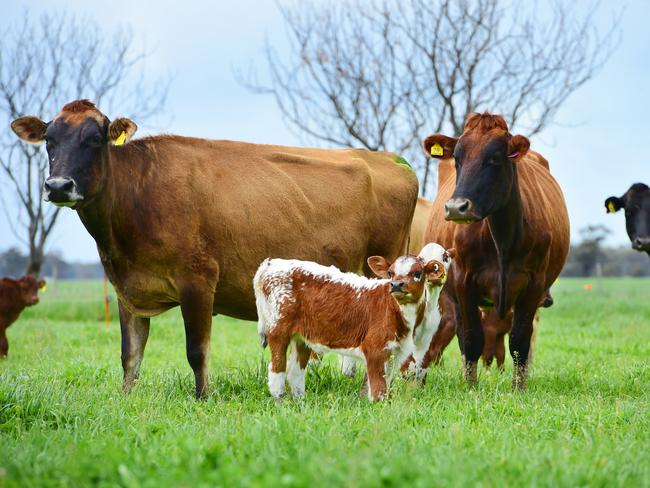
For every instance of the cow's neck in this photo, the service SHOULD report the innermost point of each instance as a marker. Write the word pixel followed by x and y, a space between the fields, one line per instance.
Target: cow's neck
pixel 99 216
pixel 506 228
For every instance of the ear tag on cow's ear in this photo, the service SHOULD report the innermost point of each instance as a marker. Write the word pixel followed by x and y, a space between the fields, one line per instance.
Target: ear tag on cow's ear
pixel 436 150
pixel 610 207
pixel 43 288
pixel 120 140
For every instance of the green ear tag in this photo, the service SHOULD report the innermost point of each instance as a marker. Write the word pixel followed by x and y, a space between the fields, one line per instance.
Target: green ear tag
pixel 120 140
pixel 436 150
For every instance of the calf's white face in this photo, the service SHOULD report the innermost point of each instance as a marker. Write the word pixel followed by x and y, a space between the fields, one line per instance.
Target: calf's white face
pixel 407 275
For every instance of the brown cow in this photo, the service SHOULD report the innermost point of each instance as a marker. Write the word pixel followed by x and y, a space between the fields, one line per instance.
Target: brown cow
pixel 516 237
pixel 15 295
pixel 187 221
pixel 419 224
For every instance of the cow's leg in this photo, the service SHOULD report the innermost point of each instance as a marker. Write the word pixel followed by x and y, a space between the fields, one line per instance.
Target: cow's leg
pixel 489 345
pixel 348 366
pixel 500 350
pixel 4 343
pixel 196 307
pixel 471 329
pixel 376 367
pixel 297 368
pixel 522 330
pixel 279 343
pixel 135 332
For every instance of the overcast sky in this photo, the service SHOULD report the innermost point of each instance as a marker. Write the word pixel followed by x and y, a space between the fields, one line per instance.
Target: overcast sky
pixel 596 148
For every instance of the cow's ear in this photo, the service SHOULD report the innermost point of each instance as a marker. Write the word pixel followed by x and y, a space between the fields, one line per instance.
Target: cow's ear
pixel 379 265
pixel 439 146
pixel 29 128
pixel 614 204
pixel 518 146
pixel 121 130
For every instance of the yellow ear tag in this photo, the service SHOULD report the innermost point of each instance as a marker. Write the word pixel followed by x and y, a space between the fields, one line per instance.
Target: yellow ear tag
pixel 611 208
pixel 436 150
pixel 44 289
pixel 120 140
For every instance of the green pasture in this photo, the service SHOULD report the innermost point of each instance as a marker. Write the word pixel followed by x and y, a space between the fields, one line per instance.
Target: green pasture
pixel 584 420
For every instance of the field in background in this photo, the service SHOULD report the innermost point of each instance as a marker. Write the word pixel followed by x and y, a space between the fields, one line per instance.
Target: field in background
pixel 585 419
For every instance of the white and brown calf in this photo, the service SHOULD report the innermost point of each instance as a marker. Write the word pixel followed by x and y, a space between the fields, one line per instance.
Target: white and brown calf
pixel 321 308
pixel 426 314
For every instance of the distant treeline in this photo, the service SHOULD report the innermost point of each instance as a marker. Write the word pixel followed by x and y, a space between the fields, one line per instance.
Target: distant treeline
pixel 583 261
pixel 607 261
pixel 13 263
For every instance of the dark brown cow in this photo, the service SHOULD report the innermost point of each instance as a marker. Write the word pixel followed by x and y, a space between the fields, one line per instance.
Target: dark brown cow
pixel 636 202
pixel 516 237
pixel 15 295
pixel 186 221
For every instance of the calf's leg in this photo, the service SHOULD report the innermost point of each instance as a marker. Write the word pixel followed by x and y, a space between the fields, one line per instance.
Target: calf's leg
pixel 297 368
pixel 135 332
pixel 196 307
pixel 278 342
pixel 376 365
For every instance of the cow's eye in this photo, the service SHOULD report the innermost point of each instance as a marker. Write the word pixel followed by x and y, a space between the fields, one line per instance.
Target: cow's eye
pixel 95 140
pixel 417 276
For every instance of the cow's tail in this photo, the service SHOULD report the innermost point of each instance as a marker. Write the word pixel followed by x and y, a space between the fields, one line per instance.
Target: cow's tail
pixel 261 303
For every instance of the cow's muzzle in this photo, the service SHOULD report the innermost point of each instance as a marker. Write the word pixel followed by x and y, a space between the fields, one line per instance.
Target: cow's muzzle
pixel 641 243
pixel 61 191
pixel 461 211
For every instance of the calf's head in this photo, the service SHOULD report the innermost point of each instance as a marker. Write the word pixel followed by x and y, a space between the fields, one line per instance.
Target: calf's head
pixel 636 202
pixel 486 155
pixel 76 142
pixel 29 287
pixel 408 275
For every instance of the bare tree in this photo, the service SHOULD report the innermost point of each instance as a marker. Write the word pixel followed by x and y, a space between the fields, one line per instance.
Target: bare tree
pixel 45 63
pixel 378 73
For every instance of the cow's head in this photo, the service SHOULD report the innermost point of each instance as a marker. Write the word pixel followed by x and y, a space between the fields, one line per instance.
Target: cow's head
pixel 486 155
pixel 408 275
pixel 29 287
pixel 76 142
pixel 636 202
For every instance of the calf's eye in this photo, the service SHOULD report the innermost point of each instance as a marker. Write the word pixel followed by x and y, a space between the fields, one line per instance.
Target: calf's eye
pixel 417 276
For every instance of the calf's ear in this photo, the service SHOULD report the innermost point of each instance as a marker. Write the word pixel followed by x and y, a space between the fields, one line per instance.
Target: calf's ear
pixel 518 146
pixel 439 146
pixel 379 265
pixel 614 204
pixel 449 254
pixel 121 130
pixel 30 129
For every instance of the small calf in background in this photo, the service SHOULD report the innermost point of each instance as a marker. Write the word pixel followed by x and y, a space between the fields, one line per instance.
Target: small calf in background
pixel 426 314
pixel 310 306
pixel 15 295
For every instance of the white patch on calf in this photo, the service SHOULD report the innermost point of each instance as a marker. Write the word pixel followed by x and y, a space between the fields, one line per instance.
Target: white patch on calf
pixel 276 383
pixel 403 265
pixel 295 374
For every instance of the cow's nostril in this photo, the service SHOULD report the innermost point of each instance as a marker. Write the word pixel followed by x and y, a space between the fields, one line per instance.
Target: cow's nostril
pixel 464 206
pixel 68 185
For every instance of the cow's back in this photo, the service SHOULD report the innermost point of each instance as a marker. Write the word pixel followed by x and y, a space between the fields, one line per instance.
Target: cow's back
pixel 543 205
pixel 245 202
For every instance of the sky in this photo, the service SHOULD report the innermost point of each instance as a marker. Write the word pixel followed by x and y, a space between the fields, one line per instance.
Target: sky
pixel 594 146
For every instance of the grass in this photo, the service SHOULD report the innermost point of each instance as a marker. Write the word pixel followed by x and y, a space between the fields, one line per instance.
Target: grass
pixel 584 420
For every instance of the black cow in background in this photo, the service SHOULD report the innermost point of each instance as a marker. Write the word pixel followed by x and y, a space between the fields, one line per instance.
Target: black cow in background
pixel 636 202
